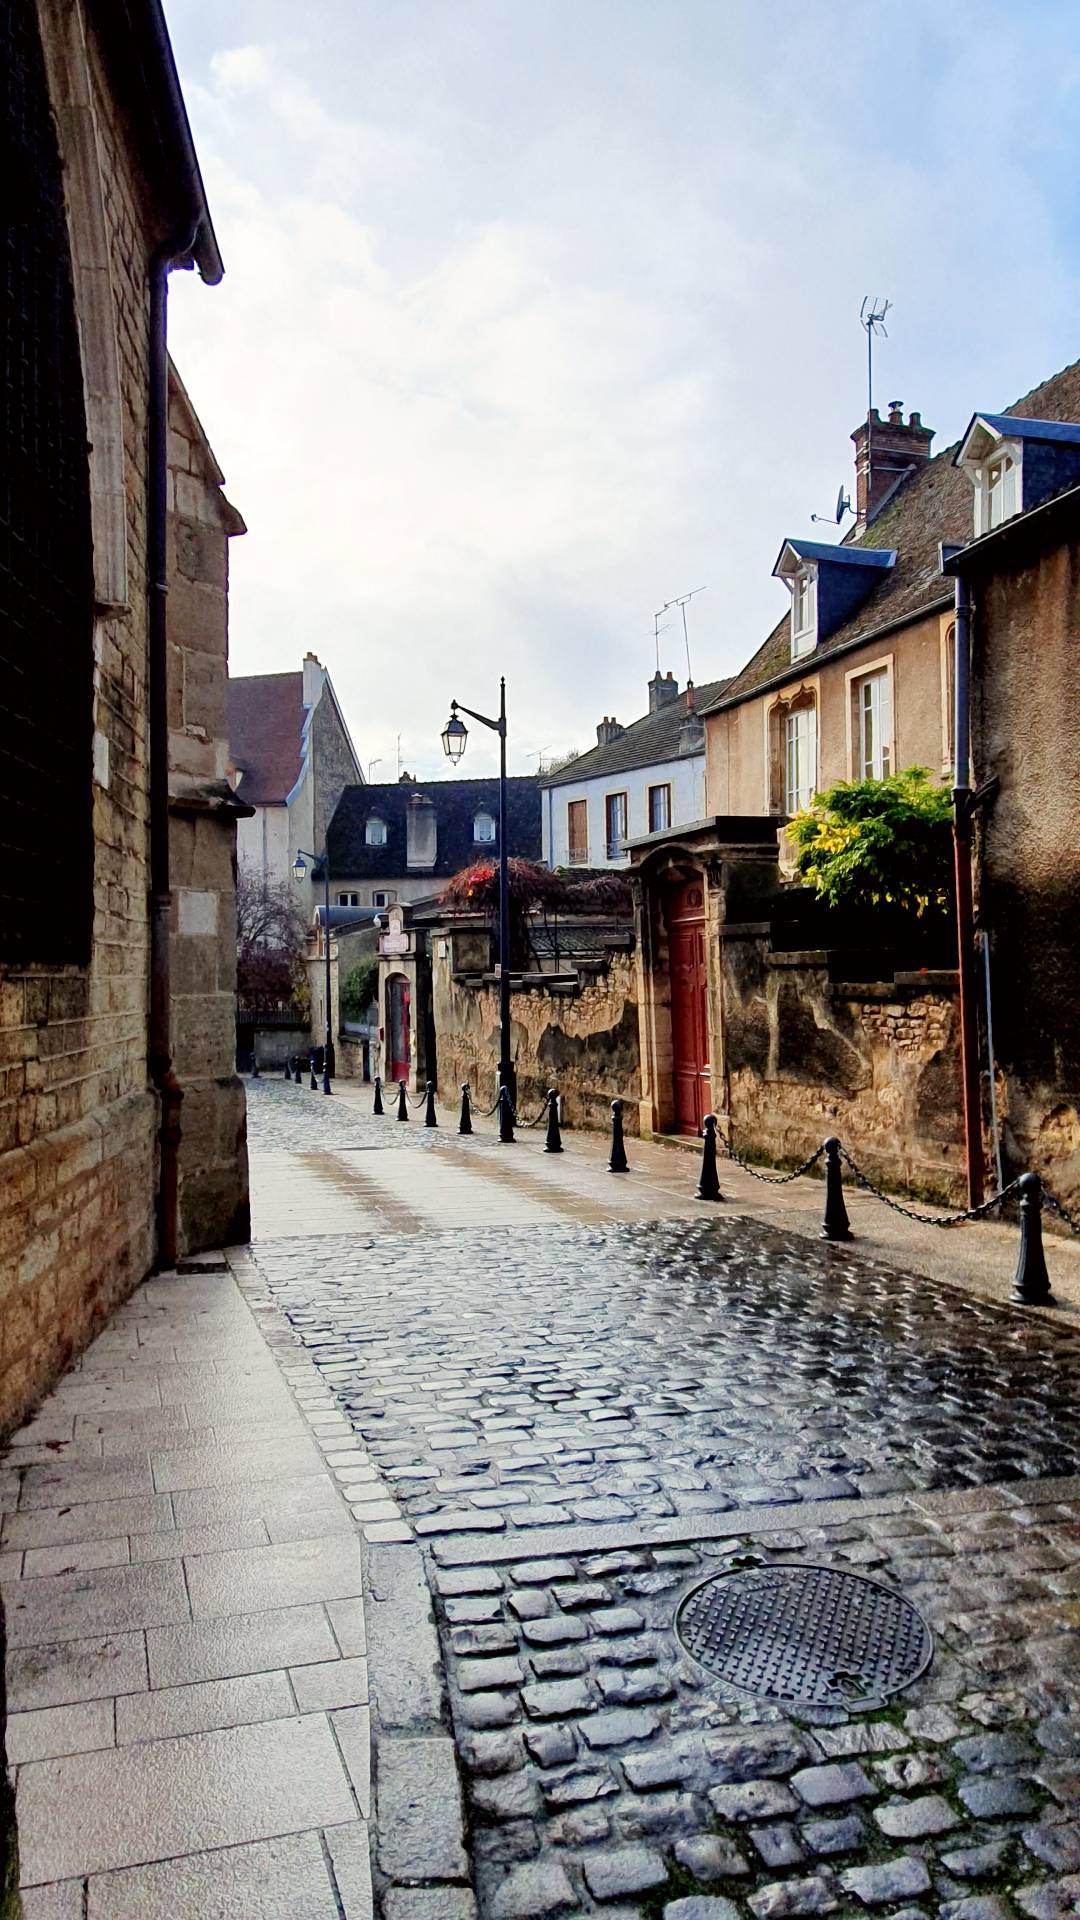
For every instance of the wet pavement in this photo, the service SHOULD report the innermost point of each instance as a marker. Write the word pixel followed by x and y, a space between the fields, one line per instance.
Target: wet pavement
pixel 560 1414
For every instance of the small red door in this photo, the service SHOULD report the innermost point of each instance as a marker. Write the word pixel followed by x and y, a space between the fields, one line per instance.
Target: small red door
pixel 685 916
pixel 397 994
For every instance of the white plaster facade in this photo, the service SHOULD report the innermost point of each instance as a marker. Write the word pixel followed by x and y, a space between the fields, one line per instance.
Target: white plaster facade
pixel 684 775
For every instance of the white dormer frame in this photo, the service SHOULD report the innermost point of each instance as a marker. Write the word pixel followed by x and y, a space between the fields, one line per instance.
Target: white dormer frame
pixel 995 467
pixel 800 578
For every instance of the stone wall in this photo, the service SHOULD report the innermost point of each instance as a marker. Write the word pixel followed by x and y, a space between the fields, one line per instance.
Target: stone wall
pixel 77 1117
pixel 577 1033
pixel 877 1064
pixel 202 842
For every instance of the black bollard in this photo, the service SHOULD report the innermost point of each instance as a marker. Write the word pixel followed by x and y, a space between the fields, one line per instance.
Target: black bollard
pixel 402 1101
pixel 708 1187
pixel 429 1110
pixel 553 1142
pixel 835 1225
pixel 1032 1282
pixel 465 1123
pixel 506 1118
pixel 296 1064
pixel 311 1064
pixel 377 1105
pixel 255 1066
pixel 288 1068
pixel 618 1162
pixel 326 1087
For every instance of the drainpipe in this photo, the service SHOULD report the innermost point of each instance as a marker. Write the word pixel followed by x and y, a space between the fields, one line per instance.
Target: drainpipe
pixel 965 925
pixel 160 1041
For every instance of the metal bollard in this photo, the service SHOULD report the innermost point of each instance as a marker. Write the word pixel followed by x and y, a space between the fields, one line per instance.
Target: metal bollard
pixel 618 1162
pixel 429 1110
pixel 506 1118
pixel 377 1105
pixel 311 1066
pixel 708 1186
pixel 835 1224
pixel 326 1087
pixel 297 1074
pixel 288 1068
pixel 402 1101
pixel 465 1123
pixel 255 1074
pixel 1032 1282
pixel 553 1141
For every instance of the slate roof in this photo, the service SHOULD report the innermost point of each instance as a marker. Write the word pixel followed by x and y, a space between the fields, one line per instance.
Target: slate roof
pixel 646 743
pixel 456 802
pixel 935 504
pixel 266 728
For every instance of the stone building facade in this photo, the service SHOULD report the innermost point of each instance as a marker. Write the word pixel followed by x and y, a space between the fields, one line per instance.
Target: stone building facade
pixel 105 179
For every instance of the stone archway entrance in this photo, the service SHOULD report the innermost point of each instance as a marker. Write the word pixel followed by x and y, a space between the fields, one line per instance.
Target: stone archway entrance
pixel 684 913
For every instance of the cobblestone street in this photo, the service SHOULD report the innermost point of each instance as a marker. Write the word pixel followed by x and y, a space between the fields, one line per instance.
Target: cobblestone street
pixel 556 1402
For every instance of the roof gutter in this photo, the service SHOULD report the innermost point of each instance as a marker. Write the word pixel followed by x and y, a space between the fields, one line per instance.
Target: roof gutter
pixel 974 1158
pixel 139 30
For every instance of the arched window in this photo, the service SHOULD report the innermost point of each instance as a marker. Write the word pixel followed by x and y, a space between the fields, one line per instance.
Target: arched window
pixel 483 829
pixel 375 831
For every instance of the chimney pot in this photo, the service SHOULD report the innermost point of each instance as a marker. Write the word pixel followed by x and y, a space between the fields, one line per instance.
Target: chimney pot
pixel 887 451
pixel 663 689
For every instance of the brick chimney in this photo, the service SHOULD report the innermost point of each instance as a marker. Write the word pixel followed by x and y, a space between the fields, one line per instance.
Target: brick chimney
pixel 608 730
pixel 663 689
pixel 884 451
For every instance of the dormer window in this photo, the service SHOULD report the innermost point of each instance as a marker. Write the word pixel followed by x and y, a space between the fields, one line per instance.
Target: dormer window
pixel 483 831
pixel 803 612
pixel 375 831
pixel 1016 464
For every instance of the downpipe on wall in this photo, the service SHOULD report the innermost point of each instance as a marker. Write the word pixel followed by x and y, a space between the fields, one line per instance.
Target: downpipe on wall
pixel 160 1059
pixel 965 919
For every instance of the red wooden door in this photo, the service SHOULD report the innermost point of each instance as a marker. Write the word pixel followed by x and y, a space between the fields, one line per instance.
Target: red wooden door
pixel 689 1005
pixel 397 993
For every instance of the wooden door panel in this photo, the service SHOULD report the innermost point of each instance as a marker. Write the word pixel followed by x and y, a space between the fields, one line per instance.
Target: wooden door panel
pixel 689 1006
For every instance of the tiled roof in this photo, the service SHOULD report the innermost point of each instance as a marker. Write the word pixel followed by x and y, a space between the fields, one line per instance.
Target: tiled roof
pixel 266 726
pixel 935 504
pixel 646 743
pixel 456 804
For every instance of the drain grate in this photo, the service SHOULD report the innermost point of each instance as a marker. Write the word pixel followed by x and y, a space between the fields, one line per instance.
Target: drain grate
pixel 807 1636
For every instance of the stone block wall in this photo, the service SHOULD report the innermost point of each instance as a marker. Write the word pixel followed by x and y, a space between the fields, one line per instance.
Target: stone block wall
pixel 214 1208
pixel 579 1035
pixel 877 1064
pixel 77 1118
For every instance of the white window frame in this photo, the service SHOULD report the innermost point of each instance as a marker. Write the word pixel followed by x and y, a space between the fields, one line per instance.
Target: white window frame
pixel 382 897
pixel 371 838
pixel 484 839
pixel 869 670
pixel 800 792
pixel 615 844
pixel 348 900
pixel 803 606
pixel 1011 497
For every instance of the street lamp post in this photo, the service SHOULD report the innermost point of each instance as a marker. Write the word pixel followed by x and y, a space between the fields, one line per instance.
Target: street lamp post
pixel 455 734
pixel 299 870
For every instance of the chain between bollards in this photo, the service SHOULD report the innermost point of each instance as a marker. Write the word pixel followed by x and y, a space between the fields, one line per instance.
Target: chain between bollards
pixel 465 1123
pixel 618 1162
pixel 506 1118
pixel 553 1140
pixel 402 1101
pixel 708 1187
pixel 429 1108
pixel 377 1105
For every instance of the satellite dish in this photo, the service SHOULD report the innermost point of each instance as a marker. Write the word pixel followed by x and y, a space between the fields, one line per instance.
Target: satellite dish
pixel 842 501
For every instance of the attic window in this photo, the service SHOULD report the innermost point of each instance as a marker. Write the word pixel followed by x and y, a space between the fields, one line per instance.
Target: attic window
pixel 997 492
pixel 483 831
pixel 803 611
pixel 375 832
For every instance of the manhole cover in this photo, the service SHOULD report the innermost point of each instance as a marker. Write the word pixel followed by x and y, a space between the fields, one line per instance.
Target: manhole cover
pixel 809 1636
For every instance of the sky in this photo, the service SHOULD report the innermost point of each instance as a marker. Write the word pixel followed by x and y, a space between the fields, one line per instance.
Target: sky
pixel 539 314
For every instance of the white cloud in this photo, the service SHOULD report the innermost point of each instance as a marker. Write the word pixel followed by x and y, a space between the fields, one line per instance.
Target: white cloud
pixel 529 325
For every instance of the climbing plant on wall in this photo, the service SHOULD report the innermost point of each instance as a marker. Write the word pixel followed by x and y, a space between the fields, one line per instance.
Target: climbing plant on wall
pixel 879 843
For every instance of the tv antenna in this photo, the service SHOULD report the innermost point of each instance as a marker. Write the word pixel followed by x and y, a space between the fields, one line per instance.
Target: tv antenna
pixel 657 631
pixel 682 602
pixel 377 762
pixel 872 320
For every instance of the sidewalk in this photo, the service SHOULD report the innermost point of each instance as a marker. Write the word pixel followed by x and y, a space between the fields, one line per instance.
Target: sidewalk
pixel 187 1687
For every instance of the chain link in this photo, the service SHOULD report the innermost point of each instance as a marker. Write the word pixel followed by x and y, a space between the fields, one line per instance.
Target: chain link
pixel 769 1179
pixel 1063 1213
pixel 927 1219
